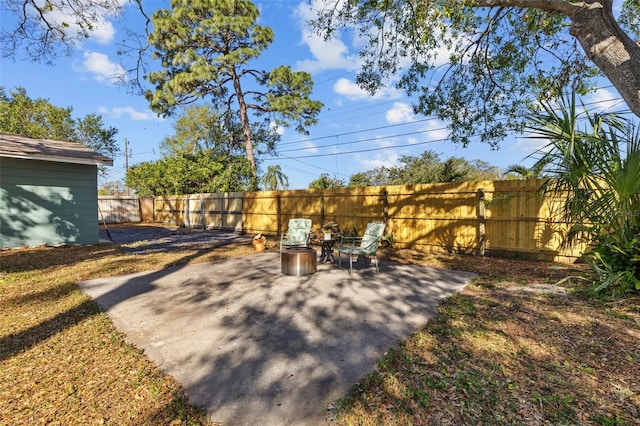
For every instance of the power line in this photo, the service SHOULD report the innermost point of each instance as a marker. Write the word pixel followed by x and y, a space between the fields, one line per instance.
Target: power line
pixel 372 129
pixel 366 140
pixel 619 100
pixel 380 148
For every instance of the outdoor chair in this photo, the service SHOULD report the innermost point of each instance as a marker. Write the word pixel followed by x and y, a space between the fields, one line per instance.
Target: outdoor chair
pixel 298 234
pixel 365 246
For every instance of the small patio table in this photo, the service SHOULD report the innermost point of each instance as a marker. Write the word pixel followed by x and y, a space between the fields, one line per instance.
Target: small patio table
pixel 326 255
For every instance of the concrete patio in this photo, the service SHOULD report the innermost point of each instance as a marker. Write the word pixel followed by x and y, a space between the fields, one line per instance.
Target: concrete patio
pixel 253 346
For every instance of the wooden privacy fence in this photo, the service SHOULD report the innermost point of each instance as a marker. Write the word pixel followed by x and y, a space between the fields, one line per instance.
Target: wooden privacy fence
pixel 499 217
pixel 119 209
pixel 211 211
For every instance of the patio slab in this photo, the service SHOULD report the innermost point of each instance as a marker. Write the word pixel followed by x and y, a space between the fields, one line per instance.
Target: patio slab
pixel 253 346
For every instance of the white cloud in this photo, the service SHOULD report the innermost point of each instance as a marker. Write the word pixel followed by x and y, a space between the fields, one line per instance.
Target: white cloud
pixel 433 129
pixel 310 147
pixel 135 115
pixel 102 30
pixel 385 141
pixel 528 144
pixel 280 130
pixel 350 90
pixel 436 130
pixel 335 53
pixel 400 113
pixel 102 69
pixel 387 159
pixel 603 99
pixel 327 54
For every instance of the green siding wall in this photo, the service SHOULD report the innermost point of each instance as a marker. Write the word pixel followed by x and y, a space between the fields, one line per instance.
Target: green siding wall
pixel 43 202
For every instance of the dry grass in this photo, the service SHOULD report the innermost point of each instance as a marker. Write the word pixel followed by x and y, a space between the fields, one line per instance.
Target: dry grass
pixel 62 361
pixel 512 348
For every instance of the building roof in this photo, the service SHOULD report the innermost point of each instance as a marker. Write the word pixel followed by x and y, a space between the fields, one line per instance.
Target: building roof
pixel 26 148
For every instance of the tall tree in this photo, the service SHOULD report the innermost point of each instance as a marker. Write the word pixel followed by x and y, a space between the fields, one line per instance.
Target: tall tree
pixel 517 48
pixel 91 132
pixel 205 48
pixel 196 129
pixel 427 168
pixel 501 55
pixel 115 187
pixel 201 127
pixel 275 179
pixel 37 118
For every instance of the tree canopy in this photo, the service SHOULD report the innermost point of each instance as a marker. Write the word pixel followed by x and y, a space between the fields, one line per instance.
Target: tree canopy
pixel 38 118
pixel 326 182
pixel 482 64
pixel 479 64
pixel 205 154
pixel 205 49
pixel 190 174
pixel 427 168
pixel 202 127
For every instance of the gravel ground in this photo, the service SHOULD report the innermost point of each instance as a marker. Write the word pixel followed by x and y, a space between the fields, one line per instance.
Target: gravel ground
pixel 154 238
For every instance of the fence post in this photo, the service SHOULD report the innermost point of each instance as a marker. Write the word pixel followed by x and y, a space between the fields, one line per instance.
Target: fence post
pixel 385 205
pixel 480 211
pixel 187 212
pixel 278 215
pixel 202 221
pixel 224 217
pixel 322 217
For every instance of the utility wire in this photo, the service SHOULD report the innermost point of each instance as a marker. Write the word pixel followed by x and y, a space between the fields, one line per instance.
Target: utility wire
pixel 618 100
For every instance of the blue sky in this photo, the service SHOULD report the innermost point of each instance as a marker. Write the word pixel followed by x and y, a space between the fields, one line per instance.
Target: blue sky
pixel 356 132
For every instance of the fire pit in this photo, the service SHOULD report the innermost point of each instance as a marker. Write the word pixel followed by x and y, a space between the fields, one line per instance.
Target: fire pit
pixel 298 261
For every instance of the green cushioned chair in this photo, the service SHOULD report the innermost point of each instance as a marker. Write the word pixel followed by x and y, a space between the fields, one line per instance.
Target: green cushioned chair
pixel 365 246
pixel 298 234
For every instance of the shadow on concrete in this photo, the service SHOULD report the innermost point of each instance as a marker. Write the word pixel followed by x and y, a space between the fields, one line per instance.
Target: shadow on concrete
pixel 253 346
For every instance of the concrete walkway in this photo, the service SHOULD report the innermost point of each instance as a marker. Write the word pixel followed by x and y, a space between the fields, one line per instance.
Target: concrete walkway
pixel 253 346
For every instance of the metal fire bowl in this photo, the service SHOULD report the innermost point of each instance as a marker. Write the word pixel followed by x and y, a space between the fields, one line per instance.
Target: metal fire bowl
pixel 299 261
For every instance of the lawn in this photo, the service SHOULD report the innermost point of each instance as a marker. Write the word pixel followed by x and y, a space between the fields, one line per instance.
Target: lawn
pixel 512 348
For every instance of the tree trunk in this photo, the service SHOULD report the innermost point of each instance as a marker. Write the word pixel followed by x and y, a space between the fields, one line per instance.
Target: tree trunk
pixel 246 128
pixel 610 48
pixel 604 42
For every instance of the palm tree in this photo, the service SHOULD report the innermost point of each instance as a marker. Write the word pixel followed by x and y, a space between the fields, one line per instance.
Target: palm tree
pixel 274 179
pixel 596 171
pixel 533 172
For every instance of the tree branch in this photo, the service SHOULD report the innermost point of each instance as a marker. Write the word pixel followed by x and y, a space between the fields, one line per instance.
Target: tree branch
pixel 559 6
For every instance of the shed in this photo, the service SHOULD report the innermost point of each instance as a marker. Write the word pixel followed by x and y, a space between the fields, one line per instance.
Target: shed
pixel 48 192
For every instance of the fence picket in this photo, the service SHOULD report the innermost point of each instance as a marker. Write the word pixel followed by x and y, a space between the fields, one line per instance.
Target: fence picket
pixel 503 217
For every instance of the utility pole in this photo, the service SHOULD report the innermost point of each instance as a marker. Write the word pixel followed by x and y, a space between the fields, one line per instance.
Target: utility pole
pixel 126 163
